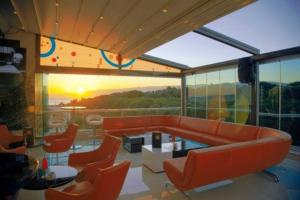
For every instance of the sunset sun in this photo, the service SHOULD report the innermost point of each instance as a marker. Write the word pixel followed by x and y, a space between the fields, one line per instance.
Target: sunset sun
pixel 80 90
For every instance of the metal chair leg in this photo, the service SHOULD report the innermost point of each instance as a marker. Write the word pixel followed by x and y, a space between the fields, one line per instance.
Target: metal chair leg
pixel 274 176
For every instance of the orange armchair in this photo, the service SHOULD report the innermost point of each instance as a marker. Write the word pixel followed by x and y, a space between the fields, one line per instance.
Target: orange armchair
pixel 106 184
pixel 6 138
pixel 18 150
pixel 60 142
pixel 102 157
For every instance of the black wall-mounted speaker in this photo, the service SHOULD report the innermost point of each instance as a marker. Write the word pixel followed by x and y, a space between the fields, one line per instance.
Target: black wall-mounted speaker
pixel 246 70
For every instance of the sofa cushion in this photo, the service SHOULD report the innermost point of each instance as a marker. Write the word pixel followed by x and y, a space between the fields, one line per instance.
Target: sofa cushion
pixel 154 128
pixel 199 137
pixel 125 122
pixel 239 132
pixel 125 131
pixel 164 120
pixel 199 125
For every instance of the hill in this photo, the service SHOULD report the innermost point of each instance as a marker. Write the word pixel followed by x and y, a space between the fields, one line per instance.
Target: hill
pixel 169 97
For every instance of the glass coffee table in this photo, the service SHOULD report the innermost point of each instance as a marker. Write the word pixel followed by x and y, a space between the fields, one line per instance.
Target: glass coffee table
pixel 61 175
pixel 153 158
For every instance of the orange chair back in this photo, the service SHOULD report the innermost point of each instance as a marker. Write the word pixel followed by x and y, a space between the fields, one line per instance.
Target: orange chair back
pixel 109 181
pixel 109 147
pixel 71 130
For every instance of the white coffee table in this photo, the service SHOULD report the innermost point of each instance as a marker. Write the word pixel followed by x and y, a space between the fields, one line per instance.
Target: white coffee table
pixel 153 158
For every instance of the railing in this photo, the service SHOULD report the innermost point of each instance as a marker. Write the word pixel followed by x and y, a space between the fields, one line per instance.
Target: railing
pixel 79 116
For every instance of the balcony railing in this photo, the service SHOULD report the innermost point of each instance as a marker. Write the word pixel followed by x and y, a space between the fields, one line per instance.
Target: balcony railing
pixel 79 116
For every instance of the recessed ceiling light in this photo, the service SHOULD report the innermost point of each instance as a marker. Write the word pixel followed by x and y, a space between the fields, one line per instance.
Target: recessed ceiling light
pixel 15 12
pixel 140 29
pixel 165 10
pixel 56 22
pixel 101 17
pixel 56 4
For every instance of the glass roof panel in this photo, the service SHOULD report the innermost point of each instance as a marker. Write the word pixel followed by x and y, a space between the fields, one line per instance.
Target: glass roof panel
pixel 266 24
pixel 196 50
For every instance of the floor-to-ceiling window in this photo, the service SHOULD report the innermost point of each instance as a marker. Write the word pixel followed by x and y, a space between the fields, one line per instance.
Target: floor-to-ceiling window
pixel 190 94
pixel 218 95
pixel 200 95
pixel 228 94
pixel 279 96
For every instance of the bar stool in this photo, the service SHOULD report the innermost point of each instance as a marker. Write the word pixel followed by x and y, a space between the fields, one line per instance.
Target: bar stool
pixel 94 121
pixel 57 121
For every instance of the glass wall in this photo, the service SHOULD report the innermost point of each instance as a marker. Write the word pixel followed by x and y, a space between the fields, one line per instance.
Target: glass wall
pixel 190 94
pixel 218 95
pixel 279 96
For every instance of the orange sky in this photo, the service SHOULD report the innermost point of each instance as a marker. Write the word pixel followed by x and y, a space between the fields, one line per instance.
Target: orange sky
pixel 78 86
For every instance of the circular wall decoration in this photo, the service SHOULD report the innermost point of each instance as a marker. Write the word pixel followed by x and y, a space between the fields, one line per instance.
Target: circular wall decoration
pixel 116 64
pixel 52 49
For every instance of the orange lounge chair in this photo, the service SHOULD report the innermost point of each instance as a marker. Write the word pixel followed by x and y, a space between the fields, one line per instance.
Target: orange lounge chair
pixel 102 157
pixel 61 142
pixel 6 138
pixel 105 184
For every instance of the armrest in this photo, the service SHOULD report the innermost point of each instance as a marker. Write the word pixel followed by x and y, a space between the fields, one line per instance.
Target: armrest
pixel 16 138
pixel 52 137
pixel 54 194
pixel 78 159
pixel 58 145
pixel 19 150
pixel 89 170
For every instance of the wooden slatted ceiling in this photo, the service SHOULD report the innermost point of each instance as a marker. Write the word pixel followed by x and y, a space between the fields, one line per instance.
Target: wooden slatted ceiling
pixel 129 27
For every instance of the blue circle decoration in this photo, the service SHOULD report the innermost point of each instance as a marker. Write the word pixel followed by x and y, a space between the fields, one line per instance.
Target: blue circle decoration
pixel 52 49
pixel 115 64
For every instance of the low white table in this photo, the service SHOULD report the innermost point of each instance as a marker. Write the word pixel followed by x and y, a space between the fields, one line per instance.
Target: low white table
pixel 153 158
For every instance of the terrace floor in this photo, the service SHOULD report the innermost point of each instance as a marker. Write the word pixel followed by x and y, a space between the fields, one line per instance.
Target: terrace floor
pixel 142 184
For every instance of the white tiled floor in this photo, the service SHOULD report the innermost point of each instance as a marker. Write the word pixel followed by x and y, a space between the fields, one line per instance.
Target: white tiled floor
pixel 142 184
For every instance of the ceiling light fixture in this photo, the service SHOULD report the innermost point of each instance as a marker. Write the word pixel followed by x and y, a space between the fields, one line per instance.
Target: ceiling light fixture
pixel 101 17
pixel 165 10
pixel 15 12
pixel 140 29
pixel 56 4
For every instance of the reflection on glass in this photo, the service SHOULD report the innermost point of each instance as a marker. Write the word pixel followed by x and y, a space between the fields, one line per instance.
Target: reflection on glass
pixel 227 94
pixel 269 121
pixel 292 126
pixel 200 94
pixel 243 103
pixel 280 82
pixel 190 93
pixel 290 86
pixel 290 98
pixel 217 95
pixel 213 98
pixel 269 76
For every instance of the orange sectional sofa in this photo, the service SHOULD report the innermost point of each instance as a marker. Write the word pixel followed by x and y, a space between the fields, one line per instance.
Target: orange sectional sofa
pixel 236 149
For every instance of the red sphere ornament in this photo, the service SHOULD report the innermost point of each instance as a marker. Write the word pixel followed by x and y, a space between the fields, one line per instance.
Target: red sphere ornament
pixel 53 59
pixel 73 53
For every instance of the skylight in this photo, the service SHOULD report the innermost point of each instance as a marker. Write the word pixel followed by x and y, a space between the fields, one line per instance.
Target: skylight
pixel 267 25
pixel 196 50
